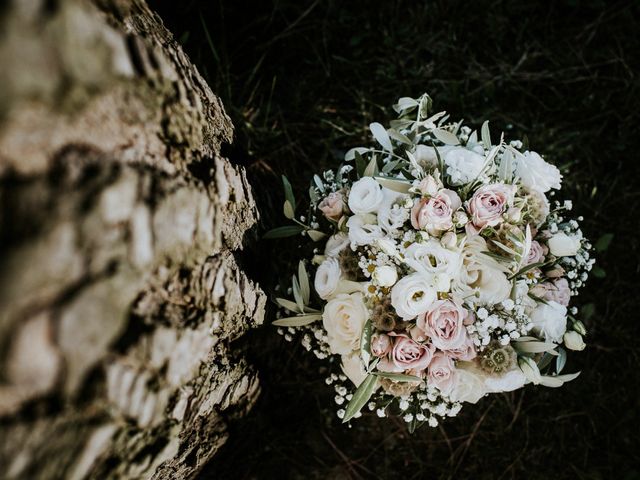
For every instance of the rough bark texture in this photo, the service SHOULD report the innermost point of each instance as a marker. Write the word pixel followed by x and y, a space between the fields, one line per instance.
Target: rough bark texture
pixel 119 292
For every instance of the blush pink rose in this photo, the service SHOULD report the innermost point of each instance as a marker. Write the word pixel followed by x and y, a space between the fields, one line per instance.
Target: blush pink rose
pixel 332 206
pixel 381 344
pixel 444 323
pixel 536 253
pixel 489 203
pixel 433 214
pixel 466 352
pixel 407 354
pixel 442 373
pixel 558 291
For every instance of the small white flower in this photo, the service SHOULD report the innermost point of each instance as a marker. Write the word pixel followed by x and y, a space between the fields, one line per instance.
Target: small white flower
pixel 385 275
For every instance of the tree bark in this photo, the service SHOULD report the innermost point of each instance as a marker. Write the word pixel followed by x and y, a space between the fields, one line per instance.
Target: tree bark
pixel 119 218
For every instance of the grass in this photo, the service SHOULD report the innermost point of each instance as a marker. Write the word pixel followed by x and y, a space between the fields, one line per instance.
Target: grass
pixel 302 80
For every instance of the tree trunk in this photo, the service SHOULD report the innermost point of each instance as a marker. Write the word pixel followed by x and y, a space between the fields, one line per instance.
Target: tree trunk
pixel 119 292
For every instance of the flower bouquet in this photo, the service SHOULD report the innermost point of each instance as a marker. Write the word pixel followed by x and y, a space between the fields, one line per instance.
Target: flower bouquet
pixel 441 270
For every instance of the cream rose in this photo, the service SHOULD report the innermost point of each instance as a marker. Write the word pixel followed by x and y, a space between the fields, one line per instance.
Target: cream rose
pixel 537 174
pixel 343 318
pixel 327 278
pixel 434 214
pixel 413 295
pixel 332 205
pixel 442 373
pixel 469 385
pixel 489 203
pixel 463 165
pixel 550 320
pixel 563 245
pixel 365 196
pixel 444 323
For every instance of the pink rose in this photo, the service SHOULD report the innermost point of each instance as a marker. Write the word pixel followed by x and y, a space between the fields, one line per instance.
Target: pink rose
pixel 536 253
pixel 442 373
pixel 380 344
pixel 558 291
pixel 444 323
pixel 427 186
pixel 332 205
pixel 489 203
pixel 466 352
pixel 407 355
pixel 433 214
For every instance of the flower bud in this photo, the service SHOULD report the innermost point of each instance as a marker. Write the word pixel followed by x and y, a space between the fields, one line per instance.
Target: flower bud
pixel 573 341
pixel 387 246
pixel 449 240
pixel 579 327
pixel 460 219
pixel 385 275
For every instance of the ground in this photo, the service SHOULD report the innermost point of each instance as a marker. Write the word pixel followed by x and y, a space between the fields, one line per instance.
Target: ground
pixel 302 80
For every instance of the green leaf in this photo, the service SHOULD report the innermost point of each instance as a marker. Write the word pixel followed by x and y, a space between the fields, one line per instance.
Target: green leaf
pixel 288 304
pixel 315 235
pixel 526 269
pixel 365 342
pixel 561 360
pixel 288 192
pixel 587 311
pixel 361 165
pixel 398 377
pixel 303 278
pixel 372 168
pixel 486 135
pixel 381 136
pixel 296 293
pixel 288 210
pixel 546 360
pixel 598 272
pixel 603 242
pixel 400 186
pixel 351 154
pixel 297 321
pixel 397 136
pixel 534 346
pixel 282 232
pixel 360 397
pixel 446 137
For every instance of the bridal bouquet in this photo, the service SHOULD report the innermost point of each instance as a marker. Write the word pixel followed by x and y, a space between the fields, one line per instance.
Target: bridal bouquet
pixel 441 270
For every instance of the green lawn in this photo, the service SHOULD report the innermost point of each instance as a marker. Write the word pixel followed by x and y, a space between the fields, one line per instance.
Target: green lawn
pixel 302 80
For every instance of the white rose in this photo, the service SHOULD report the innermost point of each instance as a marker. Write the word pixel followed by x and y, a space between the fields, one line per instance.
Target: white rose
pixel 362 230
pixel 343 318
pixel 469 386
pixel 563 245
pixel 327 278
pixel 385 275
pixel 353 368
pixel 573 341
pixel 537 174
pixel 336 244
pixel 433 258
pixel 463 165
pixel 365 196
pixel 413 295
pixel 550 320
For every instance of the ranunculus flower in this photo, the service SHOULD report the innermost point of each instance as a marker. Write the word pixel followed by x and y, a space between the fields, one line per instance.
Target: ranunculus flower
pixel 537 174
pixel 444 324
pixel 536 253
pixel 550 320
pixel 563 245
pixel 365 196
pixel 442 373
pixel 343 318
pixel 573 341
pixel 336 244
pixel 353 368
pixel 413 295
pixel 488 204
pixel 332 205
pixel 381 344
pixel 433 214
pixel 462 165
pixel 407 354
pixel 363 230
pixel 469 386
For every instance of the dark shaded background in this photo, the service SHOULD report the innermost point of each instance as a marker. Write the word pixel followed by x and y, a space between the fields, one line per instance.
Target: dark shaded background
pixel 302 80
